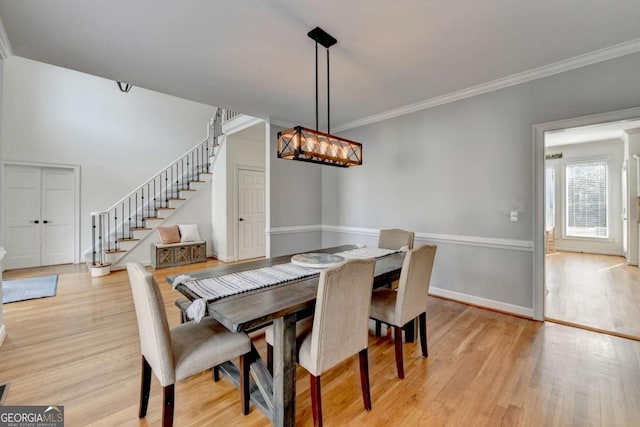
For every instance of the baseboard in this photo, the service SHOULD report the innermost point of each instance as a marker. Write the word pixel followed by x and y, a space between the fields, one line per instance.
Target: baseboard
pixel 222 258
pixel 3 334
pixel 482 302
pixel 596 252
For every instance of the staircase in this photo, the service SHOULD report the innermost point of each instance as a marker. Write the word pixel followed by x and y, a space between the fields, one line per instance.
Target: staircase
pixel 122 227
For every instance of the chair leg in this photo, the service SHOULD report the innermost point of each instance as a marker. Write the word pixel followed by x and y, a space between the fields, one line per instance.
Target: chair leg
pixel 316 400
pixel 364 378
pixel 378 328
pixel 410 331
pixel 245 364
pixel 270 358
pixel 397 338
pixel 145 387
pixel 183 317
pixel 423 334
pixel 216 373
pixel 167 412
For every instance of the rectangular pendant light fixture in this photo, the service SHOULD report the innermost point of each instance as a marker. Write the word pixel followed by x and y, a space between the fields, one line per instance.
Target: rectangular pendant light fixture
pixel 308 145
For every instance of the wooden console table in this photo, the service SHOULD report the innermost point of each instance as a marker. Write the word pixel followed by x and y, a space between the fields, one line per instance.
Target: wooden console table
pixel 173 254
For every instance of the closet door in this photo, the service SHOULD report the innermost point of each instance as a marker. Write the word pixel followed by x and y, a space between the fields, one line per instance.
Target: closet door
pixel 39 220
pixel 22 195
pixel 57 216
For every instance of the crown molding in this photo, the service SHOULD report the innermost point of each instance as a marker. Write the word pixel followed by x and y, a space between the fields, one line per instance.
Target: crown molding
pixel 594 57
pixel 5 46
pixel 281 123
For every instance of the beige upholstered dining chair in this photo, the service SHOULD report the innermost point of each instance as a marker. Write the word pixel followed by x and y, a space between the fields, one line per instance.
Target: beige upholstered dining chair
pixel 398 307
pixel 178 353
pixel 395 239
pixel 340 326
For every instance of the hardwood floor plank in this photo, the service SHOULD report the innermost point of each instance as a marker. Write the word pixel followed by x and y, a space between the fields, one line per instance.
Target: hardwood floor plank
pixel 81 349
pixel 600 292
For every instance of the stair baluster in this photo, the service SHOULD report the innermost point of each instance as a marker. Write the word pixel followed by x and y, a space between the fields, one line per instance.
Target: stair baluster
pixel 140 206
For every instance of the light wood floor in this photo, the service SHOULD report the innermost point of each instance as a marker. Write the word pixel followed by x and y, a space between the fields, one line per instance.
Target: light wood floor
pixel 597 291
pixel 80 349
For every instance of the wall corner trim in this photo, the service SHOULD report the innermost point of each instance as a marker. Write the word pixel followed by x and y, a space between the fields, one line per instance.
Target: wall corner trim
pixel 590 58
pixel 5 45
pixel 482 302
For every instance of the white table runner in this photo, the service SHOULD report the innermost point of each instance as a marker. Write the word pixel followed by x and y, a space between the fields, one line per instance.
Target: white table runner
pixel 215 288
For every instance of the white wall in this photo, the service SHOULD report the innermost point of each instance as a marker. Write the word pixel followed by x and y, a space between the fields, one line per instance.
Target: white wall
pixel 452 173
pixel 243 148
pixel 56 115
pixel 612 151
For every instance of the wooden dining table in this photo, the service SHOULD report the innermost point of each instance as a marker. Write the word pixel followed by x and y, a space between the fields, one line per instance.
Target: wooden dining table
pixel 281 305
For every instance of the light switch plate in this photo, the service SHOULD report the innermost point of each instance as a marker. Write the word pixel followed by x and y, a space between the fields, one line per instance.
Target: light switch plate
pixel 513 216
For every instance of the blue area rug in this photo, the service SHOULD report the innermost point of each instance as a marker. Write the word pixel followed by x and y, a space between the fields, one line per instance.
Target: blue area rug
pixel 30 288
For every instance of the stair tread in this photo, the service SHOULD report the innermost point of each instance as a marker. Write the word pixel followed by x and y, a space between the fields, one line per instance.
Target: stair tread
pixel 166 208
pixel 201 182
pixel 127 240
pixel 188 189
pixel 147 218
pixel 140 228
pixel 176 198
pixel 115 251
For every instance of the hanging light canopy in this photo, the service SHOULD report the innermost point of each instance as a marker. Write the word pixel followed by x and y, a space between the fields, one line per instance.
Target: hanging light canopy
pixel 124 87
pixel 308 145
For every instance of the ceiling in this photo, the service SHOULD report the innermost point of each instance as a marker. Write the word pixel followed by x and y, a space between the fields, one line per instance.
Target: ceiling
pixel 253 56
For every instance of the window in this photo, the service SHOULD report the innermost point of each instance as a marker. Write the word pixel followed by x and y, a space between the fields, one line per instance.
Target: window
pixel 587 199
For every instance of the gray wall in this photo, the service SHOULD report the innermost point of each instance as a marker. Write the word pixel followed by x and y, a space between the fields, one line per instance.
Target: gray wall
pixel 296 200
pixel 458 169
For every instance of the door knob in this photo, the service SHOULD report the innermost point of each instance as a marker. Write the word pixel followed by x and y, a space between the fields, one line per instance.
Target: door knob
pixel 35 222
pixel 241 219
pixel 46 222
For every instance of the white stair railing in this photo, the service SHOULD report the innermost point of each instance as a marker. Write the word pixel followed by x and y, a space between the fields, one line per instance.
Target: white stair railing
pixel 115 225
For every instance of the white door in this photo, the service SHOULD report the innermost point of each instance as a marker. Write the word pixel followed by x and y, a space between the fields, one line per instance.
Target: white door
pixel 251 214
pixel 39 218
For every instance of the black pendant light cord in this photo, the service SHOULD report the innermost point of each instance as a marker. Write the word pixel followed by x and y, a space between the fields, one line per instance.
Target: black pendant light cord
pixel 316 85
pixel 328 97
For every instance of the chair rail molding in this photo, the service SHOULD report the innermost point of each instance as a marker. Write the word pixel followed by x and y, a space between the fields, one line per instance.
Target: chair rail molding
pixel 520 249
pixel 487 242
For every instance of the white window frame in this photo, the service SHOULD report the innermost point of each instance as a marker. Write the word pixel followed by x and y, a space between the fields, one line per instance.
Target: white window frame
pixel 579 160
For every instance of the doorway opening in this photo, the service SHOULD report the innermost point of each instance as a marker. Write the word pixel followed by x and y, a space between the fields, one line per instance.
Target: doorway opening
pixel 587 224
